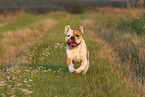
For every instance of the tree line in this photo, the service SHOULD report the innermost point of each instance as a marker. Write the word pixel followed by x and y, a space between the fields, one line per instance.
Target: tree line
pixel 41 6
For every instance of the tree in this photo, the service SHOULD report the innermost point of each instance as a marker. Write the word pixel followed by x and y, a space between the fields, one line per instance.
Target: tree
pixel 77 8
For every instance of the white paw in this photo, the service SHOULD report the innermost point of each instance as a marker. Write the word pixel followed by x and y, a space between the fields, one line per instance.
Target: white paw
pixel 78 70
pixel 71 69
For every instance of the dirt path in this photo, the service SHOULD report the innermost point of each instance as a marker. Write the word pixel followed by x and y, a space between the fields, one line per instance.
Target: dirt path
pixel 14 42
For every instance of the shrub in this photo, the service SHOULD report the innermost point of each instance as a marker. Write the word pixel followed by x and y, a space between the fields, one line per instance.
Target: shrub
pixel 76 8
pixel 136 25
pixel 139 25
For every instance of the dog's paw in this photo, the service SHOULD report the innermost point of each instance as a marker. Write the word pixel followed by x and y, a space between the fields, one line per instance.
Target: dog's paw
pixel 71 68
pixel 72 71
pixel 78 70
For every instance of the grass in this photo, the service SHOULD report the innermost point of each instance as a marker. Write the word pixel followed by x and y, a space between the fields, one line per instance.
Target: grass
pixel 42 69
pixel 13 42
pixel 23 21
pixel 121 31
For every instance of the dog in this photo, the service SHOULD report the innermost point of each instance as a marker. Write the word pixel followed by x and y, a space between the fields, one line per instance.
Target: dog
pixel 76 50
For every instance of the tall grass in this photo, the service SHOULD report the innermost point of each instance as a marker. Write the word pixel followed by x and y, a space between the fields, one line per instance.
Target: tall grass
pixel 13 42
pixel 5 20
pixel 23 21
pixel 42 69
pixel 125 33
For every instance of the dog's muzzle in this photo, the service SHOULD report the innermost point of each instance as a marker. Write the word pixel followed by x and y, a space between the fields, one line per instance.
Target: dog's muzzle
pixel 71 42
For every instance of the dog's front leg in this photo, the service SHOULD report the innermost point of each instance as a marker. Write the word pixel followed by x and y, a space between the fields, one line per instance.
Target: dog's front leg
pixel 70 65
pixel 84 63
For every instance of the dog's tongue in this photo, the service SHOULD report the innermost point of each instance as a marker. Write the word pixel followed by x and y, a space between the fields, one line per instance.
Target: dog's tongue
pixel 70 42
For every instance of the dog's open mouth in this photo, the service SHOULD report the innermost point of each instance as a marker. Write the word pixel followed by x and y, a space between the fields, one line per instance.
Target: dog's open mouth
pixel 71 43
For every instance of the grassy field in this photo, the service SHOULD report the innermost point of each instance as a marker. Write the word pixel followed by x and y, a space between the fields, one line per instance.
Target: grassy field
pixel 33 59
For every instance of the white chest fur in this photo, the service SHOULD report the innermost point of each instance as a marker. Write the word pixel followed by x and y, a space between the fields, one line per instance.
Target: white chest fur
pixel 77 54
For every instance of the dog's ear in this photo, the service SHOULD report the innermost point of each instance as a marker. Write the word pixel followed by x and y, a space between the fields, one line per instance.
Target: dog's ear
pixel 80 28
pixel 67 28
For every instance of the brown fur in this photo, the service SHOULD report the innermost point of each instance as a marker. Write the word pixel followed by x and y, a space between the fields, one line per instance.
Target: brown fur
pixel 79 29
pixel 76 32
pixel 68 60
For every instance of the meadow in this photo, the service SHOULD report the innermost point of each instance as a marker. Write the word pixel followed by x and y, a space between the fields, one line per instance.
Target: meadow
pixel 33 58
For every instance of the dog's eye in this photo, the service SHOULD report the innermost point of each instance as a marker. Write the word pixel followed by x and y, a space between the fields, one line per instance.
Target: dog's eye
pixel 77 35
pixel 68 35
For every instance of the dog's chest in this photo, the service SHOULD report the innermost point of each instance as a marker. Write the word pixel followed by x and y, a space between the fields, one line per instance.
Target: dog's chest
pixel 77 54
pixel 77 57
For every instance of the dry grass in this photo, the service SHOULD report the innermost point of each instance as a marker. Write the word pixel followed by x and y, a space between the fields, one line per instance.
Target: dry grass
pixel 44 71
pixel 107 51
pixel 125 50
pixel 129 46
pixel 5 20
pixel 13 42
pixel 111 10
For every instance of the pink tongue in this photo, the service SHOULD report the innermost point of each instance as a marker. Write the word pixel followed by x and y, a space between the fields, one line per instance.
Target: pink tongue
pixel 70 42
pixel 73 44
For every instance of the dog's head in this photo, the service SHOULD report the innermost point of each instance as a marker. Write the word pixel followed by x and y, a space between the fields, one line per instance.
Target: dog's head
pixel 73 37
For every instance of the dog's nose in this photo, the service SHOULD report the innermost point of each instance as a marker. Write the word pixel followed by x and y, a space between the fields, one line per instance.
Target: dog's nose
pixel 72 38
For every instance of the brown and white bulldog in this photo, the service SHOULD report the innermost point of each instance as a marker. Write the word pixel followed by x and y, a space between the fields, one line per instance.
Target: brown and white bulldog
pixel 76 50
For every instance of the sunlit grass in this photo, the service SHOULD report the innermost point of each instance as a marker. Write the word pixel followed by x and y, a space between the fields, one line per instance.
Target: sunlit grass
pixel 23 21
pixel 13 42
pixel 43 72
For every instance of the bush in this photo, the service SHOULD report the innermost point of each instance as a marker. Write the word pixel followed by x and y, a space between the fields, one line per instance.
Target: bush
pixel 76 8
pixel 139 25
pixel 136 25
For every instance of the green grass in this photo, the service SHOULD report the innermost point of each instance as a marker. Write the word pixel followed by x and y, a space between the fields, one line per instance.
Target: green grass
pixel 43 71
pixel 24 20
pixel 124 32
